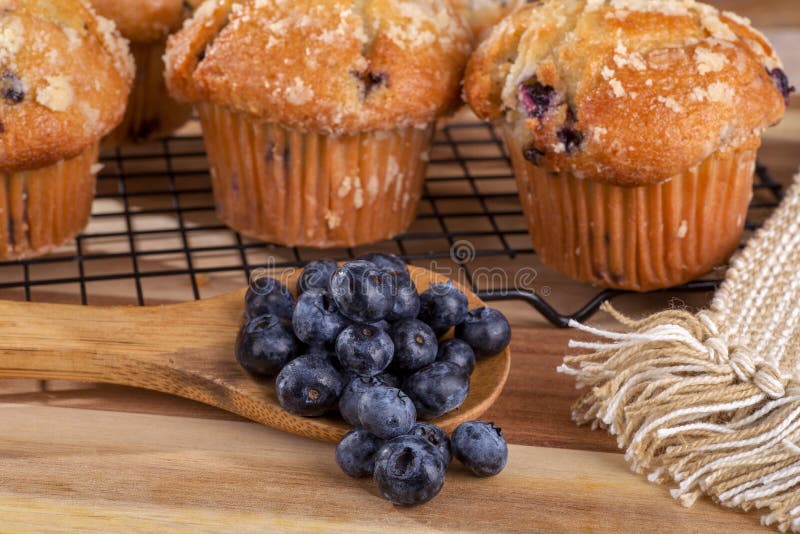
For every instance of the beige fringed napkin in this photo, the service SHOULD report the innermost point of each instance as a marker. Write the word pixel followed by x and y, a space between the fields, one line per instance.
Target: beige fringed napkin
pixel 710 403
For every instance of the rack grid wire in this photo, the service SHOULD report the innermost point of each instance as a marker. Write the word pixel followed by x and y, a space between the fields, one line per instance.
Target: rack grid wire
pixel 154 232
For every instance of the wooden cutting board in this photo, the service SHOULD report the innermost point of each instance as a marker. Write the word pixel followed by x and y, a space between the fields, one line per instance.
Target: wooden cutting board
pixel 100 458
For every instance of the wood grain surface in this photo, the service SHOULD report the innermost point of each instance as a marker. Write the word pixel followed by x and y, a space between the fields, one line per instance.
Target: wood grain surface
pixel 180 467
pixel 96 471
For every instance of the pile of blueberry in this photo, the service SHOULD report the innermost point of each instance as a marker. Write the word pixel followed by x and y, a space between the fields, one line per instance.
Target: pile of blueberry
pixel 410 468
pixel 361 338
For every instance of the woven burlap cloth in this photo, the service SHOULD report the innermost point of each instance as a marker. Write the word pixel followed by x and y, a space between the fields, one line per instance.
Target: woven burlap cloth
pixel 710 402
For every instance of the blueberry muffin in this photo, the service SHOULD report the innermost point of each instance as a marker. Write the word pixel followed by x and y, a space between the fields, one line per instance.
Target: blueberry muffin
pixel 151 114
pixel 65 74
pixel 633 128
pixel 318 115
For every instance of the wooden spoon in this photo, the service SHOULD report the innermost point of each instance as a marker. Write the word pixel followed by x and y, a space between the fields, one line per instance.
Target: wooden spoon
pixel 186 350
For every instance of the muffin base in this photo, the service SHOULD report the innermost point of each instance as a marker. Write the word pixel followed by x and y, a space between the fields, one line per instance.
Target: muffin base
pixel 306 189
pixel 637 238
pixel 44 208
pixel 151 113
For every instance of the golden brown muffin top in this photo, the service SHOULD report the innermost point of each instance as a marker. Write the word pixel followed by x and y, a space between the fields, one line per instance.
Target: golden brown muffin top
pixel 627 91
pixel 323 65
pixel 482 15
pixel 65 74
pixel 144 21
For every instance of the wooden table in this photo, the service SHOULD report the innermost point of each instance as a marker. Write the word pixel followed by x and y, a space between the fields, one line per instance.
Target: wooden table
pixel 83 457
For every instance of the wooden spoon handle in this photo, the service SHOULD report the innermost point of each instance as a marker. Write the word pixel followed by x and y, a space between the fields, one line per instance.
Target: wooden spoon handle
pixel 119 345
pixel 51 341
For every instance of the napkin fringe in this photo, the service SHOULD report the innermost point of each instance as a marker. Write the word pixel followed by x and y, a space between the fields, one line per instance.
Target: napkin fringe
pixel 693 411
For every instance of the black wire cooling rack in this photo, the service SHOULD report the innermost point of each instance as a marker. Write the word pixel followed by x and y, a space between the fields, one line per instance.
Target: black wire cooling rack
pixel 153 232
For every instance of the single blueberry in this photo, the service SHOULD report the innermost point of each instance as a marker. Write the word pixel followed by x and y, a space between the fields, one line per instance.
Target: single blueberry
pixel 364 349
pixel 351 394
pixel 571 138
pixel 265 344
pixel 409 470
pixel 385 261
pixel 458 352
pixel 373 81
pixel 436 437
pixel 437 388
pixel 781 82
pixel 355 453
pixel 406 296
pixel 443 306
pixel 267 295
pixel 481 447
pixel 406 299
pixel 386 412
pixel 316 318
pixel 308 386
pixel 486 330
pixel 11 87
pixel 362 291
pixel 370 81
pixel 415 345
pixel 316 275
pixel 537 99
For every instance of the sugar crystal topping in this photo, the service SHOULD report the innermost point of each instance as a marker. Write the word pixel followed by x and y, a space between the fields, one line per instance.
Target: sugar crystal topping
pixel 617 88
pixel 57 95
pixel 712 21
pixel 709 61
pixel 717 92
pixel 298 93
pixel 670 103
pixel 666 7
pixel 12 37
